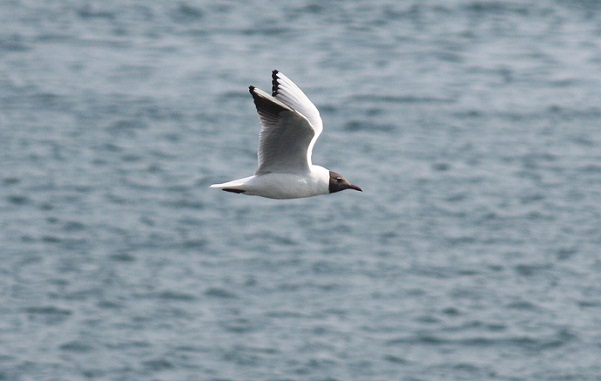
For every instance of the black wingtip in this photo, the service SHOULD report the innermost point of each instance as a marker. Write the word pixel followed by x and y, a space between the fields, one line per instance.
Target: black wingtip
pixel 253 93
pixel 274 83
pixel 233 190
pixel 251 90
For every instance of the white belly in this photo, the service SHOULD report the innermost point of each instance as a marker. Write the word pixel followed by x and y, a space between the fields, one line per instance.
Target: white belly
pixel 284 186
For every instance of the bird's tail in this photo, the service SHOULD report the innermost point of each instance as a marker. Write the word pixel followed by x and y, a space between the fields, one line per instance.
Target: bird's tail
pixel 234 186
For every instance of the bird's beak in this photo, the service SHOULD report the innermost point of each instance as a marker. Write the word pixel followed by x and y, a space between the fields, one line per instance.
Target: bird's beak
pixel 355 188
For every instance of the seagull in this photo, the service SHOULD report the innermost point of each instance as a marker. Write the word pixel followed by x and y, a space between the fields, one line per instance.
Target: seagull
pixel 290 127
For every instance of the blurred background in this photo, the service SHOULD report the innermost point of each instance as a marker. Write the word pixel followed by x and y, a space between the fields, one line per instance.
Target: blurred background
pixel 473 128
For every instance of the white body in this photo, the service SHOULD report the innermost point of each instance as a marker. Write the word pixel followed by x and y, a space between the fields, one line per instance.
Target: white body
pixel 282 185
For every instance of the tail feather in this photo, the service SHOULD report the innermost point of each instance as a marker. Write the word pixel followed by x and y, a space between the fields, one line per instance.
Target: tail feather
pixel 235 186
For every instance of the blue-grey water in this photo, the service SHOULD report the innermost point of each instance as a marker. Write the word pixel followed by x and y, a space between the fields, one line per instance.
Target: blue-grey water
pixel 474 252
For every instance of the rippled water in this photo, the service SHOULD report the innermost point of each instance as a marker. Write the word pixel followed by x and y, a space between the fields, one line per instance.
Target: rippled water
pixel 473 253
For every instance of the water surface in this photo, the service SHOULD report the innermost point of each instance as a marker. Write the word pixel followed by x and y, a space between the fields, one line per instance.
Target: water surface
pixel 472 254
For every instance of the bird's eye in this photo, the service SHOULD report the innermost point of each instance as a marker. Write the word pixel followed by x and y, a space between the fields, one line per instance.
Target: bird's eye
pixel 338 179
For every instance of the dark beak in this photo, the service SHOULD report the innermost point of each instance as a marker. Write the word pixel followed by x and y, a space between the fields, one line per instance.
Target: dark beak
pixel 355 188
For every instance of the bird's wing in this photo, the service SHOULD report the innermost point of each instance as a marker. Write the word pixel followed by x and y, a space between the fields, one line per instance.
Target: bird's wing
pixel 287 135
pixel 283 89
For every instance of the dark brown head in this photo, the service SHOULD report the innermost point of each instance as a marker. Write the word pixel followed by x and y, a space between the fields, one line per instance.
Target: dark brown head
pixel 338 183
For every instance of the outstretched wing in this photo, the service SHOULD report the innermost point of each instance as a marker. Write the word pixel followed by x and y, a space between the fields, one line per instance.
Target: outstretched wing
pixel 290 127
pixel 286 91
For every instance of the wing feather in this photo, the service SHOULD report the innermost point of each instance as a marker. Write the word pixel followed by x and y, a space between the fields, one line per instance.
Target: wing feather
pixel 285 136
pixel 286 91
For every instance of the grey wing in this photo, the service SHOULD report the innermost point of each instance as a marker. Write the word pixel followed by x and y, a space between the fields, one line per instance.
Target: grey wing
pixel 285 136
pixel 286 91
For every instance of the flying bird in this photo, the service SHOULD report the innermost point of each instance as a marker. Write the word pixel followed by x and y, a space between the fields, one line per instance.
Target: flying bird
pixel 291 125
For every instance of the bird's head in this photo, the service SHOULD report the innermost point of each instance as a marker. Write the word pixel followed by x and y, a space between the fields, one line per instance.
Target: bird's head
pixel 339 183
